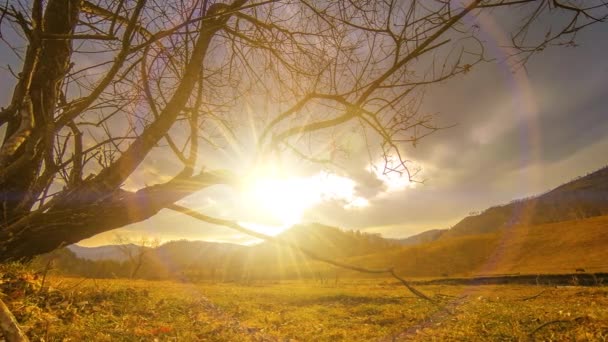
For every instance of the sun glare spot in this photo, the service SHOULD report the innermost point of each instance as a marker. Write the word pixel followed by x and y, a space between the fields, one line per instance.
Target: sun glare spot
pixel 264 229
pixel 286 199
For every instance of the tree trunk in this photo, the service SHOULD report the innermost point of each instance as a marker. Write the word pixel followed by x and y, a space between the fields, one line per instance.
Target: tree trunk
pixel 85 213
pixel 52 58
pixel 84 208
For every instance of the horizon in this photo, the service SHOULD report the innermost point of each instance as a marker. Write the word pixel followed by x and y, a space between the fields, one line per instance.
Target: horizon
pixel 257 241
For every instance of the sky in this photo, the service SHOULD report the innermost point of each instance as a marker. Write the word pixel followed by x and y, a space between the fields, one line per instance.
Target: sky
pixel 515 133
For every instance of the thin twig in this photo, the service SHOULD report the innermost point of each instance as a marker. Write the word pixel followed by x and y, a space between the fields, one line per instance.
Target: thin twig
pixel 579 320
pixel 532 297
pixel 531 334
pixel 276 240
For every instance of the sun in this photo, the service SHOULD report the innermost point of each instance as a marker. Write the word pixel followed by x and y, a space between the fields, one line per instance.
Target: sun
pixel 284 198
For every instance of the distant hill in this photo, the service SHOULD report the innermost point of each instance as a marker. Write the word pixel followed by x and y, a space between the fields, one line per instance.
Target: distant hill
pixel 334 242
pixel 184 251
pixel 426 236
pixel 224 261
pixel 581 198
pixel 560 247
pixel 560 231
pixel 108 252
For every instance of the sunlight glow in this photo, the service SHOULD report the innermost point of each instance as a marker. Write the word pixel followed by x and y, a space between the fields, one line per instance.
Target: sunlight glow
pixel 393 180
pixel 286 199
pixel 264 229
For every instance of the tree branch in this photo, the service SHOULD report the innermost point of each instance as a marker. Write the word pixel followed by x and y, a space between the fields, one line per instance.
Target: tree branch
pixel 312 255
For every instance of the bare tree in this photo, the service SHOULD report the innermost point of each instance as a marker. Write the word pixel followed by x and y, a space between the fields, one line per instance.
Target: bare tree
pixel 135 251
pixel 105 85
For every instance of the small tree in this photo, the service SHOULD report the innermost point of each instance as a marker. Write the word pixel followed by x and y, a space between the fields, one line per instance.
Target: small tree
pixel 100 86
pixel 135 252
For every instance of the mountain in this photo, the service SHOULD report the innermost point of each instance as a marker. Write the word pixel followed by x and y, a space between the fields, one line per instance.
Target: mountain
pixel 108 252
pixel 184 251
pixel 426 236
pixel 560 231
pixel 581 198
pixel 198 260
pixel 560 247
pixel 318 238
pixel 334 242
pixel 196 257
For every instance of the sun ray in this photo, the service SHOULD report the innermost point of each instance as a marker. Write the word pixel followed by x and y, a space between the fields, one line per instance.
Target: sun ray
pixel 281 199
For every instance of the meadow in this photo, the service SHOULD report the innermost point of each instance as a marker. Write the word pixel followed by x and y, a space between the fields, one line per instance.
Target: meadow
pixel 77 309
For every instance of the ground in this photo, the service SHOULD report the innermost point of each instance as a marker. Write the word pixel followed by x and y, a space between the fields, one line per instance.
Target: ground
pixel 353 310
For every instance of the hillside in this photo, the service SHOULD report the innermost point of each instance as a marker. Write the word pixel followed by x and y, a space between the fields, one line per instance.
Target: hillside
pixel 559 247
pixel 108 252
pixel 199 260
pixel 334 242
pixel 583 197
pixel 426 236
pixel 553 248
pixel 560 231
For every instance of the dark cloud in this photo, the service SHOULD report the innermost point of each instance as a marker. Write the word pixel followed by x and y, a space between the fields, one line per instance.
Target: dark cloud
pixel 368 185
pixel 501 147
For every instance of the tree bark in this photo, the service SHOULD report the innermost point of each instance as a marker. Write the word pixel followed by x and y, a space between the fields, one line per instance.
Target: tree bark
pixel 52 62
pixel 96 205
pixel 83 215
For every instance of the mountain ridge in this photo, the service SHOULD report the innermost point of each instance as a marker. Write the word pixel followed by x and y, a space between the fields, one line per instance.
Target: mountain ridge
pixel 519 234
pixel 583 197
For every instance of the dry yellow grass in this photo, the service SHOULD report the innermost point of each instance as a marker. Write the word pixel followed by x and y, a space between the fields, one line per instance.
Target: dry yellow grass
pixel 357 310
pixel 549 248
pixel 556 248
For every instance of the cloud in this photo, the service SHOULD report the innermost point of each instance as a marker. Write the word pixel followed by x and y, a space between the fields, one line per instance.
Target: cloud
pixel 501 148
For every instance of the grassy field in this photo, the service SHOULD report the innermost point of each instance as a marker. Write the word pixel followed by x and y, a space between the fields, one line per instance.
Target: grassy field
pixel 560 247
pixel 356 310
